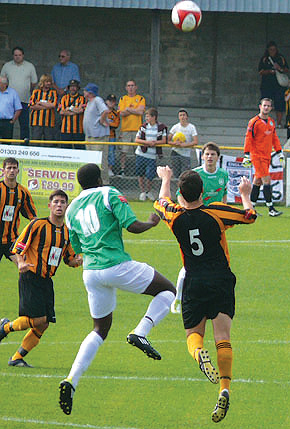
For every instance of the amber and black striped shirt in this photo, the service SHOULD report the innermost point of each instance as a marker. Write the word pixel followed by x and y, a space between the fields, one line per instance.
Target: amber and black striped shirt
pixel 114 121
pixel 43 117
pixel 201 232
pixel 44 245
pixel 72 124
pixel 13 202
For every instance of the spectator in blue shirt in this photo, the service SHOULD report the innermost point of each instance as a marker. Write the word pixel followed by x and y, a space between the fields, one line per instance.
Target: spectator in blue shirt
pixel 63 72
pixel 10 108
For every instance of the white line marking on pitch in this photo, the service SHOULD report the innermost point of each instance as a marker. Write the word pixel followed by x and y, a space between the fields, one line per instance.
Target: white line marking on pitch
pixel 53 423
pixel 229 241
pixel 138 378
pixel 51 343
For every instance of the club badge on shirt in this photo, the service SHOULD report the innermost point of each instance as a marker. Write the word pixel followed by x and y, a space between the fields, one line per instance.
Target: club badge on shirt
pixel 8 213
pixel 54 256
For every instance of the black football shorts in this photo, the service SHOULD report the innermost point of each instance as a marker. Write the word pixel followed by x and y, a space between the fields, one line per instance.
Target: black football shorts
pixel 206 296
pixel 36 296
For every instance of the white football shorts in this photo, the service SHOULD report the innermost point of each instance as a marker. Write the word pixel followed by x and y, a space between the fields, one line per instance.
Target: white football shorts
pixel 101 285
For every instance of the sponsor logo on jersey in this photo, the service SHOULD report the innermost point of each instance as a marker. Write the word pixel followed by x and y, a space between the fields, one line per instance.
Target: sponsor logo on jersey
pixel 122 199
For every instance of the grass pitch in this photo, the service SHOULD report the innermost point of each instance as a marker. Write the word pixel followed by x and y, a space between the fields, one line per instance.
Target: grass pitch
pixel 123 389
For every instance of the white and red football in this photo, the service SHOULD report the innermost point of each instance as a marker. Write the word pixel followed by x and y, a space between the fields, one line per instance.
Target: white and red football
pixel 186 16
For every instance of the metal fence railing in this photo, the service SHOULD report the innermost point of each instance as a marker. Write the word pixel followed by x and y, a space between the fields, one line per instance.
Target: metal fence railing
pixel 138 180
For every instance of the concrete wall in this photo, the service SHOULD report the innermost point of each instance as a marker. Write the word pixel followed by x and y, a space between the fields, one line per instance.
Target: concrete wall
pixel 216 66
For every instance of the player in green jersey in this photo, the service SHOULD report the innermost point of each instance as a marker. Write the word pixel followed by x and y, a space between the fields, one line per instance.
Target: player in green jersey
pixel 95 220
pixel 215 181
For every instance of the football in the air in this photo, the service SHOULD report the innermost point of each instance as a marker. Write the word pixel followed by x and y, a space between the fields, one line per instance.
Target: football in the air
pixel 186 16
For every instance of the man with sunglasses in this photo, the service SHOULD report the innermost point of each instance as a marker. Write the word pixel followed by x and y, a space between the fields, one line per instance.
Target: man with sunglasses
pixel 62 73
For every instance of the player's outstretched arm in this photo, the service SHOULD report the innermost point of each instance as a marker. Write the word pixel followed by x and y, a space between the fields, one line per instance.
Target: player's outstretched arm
pixel 165 174
pixel 245 189
pixel 137 227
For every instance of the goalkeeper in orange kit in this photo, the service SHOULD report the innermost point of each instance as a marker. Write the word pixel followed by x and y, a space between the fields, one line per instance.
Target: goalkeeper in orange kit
pixel 260 138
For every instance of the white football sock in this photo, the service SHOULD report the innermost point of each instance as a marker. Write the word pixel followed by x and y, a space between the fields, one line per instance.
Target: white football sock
pixel 157 310
pixel 85 356
pixel 179 283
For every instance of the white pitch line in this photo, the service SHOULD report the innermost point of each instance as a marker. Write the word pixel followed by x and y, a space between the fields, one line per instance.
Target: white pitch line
pixel 52 343
pixel 140 241
pixel 53 423
pixel 138 378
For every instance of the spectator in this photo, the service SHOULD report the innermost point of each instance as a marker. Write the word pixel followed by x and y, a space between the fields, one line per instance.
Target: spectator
pixel 96 126
pixel 131 108
pixel 42 104
pixel 10 108
pixel 22 77
pixel 271 61
pixel 287 101
pixel 71 109
pixel 180 155
pixel 149 135
pixel 63 72
pixel 114 121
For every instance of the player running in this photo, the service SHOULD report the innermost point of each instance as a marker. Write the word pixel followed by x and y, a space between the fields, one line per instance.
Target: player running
pixel 95 220
pixel 209 286
pixel 260 138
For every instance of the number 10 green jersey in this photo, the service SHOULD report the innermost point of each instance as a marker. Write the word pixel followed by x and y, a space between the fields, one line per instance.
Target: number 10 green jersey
pixel 95 220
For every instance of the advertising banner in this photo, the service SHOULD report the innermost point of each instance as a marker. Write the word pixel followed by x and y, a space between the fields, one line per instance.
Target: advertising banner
pixel 44 169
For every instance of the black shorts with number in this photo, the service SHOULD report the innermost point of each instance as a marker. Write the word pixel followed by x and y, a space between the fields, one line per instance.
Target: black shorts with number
pixel 5 251
pixel 36 296
pixel 206 296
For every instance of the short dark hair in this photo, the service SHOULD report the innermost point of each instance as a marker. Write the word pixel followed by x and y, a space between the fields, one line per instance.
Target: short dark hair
pixel 89 176
pixel 10 161
pixel 266 99
pixel 211 146
pixel 183 111
pixel 58 192
pixel 152 112
pixel 190 185
pixel 17 48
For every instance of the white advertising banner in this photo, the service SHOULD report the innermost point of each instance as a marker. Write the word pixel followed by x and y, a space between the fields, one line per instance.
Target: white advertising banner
pixel 44 169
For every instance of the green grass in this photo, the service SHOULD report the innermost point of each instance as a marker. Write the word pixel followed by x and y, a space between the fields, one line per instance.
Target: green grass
pixel 124 389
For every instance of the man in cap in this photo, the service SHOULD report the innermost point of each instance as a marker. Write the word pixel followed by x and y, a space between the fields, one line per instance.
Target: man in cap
pixel 96 125
pixel 71 109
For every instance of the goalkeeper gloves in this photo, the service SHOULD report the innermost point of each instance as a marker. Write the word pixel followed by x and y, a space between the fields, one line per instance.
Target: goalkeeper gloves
pixel 247 161
pixel 281 159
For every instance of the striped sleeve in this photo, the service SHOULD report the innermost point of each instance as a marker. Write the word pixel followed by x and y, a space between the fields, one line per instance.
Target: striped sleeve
pixel 230 215
pixel 168 211
pixel 22 243
pixel 69 254
pixel 28 210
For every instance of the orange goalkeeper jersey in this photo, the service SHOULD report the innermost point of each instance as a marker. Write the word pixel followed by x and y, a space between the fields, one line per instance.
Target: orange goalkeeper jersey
pixel 261 137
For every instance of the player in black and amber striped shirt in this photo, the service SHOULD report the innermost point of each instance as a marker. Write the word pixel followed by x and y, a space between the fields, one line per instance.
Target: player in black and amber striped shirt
pixel 14 200
pixel 43 102
pixel 209 285
pixel 71 109
pixel 39 250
